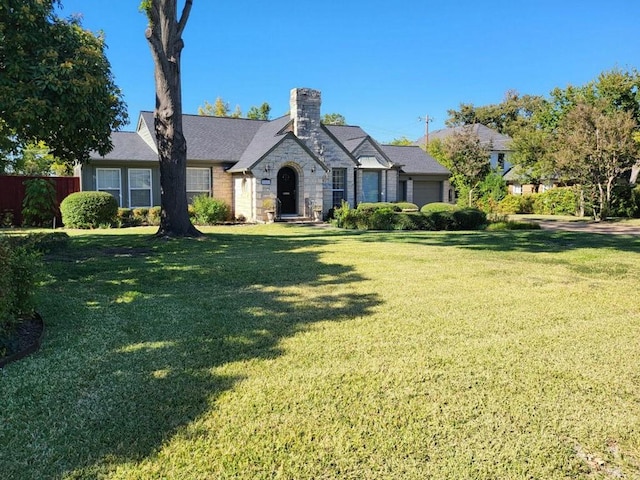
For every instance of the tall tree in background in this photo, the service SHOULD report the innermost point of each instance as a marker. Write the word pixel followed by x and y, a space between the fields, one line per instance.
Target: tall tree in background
pixel 596 147
pixel 259 113
pixel 468 160
pixel 164 34
pixel 56 84
pixel 333 119
pixel 220 108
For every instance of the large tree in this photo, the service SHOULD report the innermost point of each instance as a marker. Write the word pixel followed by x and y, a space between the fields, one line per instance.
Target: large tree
pixel 164 34
pixel 56 84
pixel 466 158
pixel 596 146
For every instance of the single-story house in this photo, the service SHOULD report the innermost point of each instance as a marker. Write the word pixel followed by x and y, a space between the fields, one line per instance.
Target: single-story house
pixel 497 143
pixel 294 161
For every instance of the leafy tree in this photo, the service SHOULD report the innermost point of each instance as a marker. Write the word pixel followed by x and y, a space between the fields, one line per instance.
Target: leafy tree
pixel 333 119
pixel 259 113
pixel 402 141
pixel 595 146
pixel 56 84
pixel 164 34
pixel 508 117
pixel 36 159
pixel 468 160
pixel 237 113
pixel 219 109
pixel 533 157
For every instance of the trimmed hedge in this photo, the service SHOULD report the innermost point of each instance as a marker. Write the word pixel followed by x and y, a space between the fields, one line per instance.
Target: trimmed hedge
pixel 386 219
pixel 438 207
pixel 89 210
pixel 407 206
pixel 369 206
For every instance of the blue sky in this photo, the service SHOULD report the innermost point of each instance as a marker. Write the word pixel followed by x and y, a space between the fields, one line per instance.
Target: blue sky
pixel 380 64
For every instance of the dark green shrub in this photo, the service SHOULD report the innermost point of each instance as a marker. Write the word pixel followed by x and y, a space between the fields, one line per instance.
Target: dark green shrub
pixel 209 211
pixel 380 219
pixel 140 215
pixel 45 242
pixel 469 219
pixel 406 206
pixel 6 218
pixel 368 206
pixel 438 207
pixel 625 200
pixel 89 210
pixel 19 271
pixel 345 216
pixel 39 204
pixel 439 220
pixel 410 221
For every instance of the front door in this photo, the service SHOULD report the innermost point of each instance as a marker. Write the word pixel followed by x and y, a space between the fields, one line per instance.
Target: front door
pixel 287 190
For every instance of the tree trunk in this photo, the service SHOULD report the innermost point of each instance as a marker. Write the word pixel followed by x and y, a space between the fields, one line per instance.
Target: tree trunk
pixel 165 39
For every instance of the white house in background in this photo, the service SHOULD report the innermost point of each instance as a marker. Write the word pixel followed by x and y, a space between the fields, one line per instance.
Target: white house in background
pixel 295 160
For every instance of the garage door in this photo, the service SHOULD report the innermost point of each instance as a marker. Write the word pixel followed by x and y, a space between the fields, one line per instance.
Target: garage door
pixel 426 192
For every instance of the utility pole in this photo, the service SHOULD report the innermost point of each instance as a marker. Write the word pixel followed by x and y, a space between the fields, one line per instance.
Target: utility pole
pixel 426 119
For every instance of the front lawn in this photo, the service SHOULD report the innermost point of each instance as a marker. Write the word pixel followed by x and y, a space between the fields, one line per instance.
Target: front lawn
pixel 305 353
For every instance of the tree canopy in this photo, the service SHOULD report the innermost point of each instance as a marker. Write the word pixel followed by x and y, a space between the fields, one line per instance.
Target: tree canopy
pixel 56 84
pixel 333 119
pixel 220 108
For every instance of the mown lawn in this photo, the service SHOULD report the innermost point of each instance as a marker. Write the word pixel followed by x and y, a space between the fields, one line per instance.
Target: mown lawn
pixel 300 353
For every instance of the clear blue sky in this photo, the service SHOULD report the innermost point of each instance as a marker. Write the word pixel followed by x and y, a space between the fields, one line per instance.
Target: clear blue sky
pixel 380 64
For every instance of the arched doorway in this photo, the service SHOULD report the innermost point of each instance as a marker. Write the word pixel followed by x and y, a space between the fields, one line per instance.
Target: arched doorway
pixel 287 190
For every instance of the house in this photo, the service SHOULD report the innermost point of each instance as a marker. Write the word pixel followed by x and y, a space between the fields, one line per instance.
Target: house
pixel 293 161
pixel 497 143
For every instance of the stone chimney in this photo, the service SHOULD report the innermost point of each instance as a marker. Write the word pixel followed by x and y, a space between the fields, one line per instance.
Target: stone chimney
pixel 305 112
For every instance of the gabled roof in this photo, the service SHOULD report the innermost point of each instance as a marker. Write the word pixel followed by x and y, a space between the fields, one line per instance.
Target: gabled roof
pixel 488 136
pixel 349 136
pixel 127 146
pixel 414 160
pixel 269 135
pixel 215 138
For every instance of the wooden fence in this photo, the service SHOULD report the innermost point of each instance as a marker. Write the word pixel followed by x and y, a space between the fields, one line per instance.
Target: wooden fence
pixel 12 195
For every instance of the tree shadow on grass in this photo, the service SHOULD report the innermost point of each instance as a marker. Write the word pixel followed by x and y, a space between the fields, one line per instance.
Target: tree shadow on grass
pixel 139 329
pixel 531 241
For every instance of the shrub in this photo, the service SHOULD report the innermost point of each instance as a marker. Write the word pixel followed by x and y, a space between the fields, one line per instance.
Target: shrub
pixel 556 201
pixel 6 218
pixel 380 219
pixel 125 218
pixel 513 225
pixel 438 207
pixel 89 210
pixel 406 206
pixel 370 206
pixel 39 204
pixel 153 216
pixel 439 220
pixel 19 270
pixel 469 219
pixel 410 221
pixel 209 211
pixel 509 205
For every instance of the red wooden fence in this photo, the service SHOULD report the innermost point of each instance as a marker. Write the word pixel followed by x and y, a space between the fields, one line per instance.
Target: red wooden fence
pixel 12 194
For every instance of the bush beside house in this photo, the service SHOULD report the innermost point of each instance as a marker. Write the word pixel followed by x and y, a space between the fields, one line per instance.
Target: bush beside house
pixel 89 210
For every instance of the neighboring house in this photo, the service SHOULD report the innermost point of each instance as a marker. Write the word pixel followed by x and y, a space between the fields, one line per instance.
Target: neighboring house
pixel 517 186
pixel 498 144
pixel 293 160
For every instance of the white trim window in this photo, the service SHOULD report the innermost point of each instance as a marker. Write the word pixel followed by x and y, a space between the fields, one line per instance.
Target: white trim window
pixel 517 189
pixel 140 187
pixel 109 180
pixel 198 182
pixel 339 186
pixel 371 186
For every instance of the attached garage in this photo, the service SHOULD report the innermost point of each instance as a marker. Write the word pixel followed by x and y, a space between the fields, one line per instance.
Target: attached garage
pixel 426 192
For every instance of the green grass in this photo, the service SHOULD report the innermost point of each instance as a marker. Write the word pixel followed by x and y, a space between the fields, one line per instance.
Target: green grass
pixel 300 353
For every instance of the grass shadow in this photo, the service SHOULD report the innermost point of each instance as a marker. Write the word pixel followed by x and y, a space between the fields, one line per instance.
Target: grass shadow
pixel 140 332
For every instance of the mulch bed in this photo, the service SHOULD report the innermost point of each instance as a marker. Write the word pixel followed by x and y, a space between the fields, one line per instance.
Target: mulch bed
pixel 25 340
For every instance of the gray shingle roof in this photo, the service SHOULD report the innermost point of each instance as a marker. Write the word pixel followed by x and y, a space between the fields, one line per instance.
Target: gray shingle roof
pixel 350 136
pixel 414 160
pixel 268 136
pixel 215 138
pixel 488 136
pixel 128 146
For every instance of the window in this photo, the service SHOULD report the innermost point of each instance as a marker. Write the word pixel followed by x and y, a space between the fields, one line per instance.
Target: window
pixel 517 189
pixel 501 161
pixel 370 186
pixel 198 182
pixel 108 180
pixel 139 187
pixel 339 186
